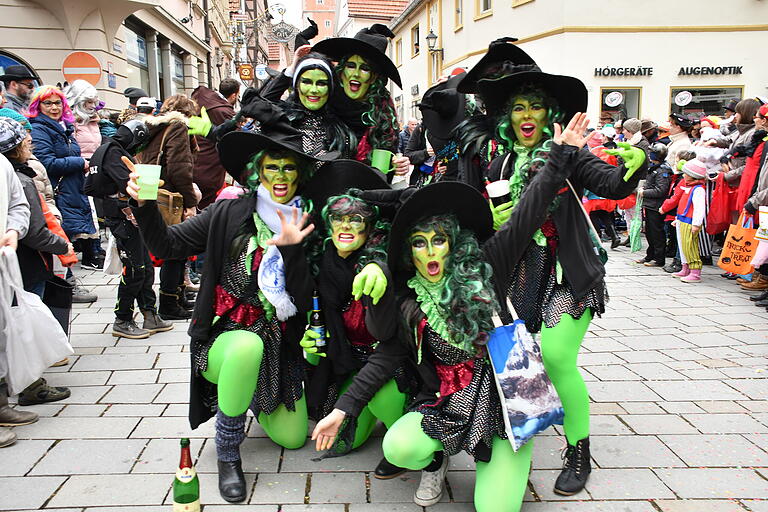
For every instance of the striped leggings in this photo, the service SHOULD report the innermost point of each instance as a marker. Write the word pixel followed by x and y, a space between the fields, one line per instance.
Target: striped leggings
pixel 688 242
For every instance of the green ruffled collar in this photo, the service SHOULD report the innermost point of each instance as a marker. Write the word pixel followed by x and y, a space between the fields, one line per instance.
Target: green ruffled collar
pixel 428 296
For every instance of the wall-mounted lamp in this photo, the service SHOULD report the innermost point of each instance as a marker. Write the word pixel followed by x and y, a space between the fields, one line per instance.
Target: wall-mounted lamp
pixel 432 43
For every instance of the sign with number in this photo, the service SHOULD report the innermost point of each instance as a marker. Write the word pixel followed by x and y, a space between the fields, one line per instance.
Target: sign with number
pixel 81 66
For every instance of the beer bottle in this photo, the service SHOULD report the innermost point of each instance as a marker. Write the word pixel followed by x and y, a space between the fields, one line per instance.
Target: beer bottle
pixel 186 486
pixel 316 322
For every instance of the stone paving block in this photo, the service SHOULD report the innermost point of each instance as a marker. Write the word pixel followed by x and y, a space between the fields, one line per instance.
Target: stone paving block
pixel 743 372
pixel 173 393
pixel 82 411
pixel 159 455
pixel 733 319
pixel 397 490
pixel 546 453
pixel 656 321
pixel 642 408
pixel 658 342
pixel 760 440
pixel 750 337
pixel 451 507
pixel 132 394
pixel 21 492
pixel 590 506
pixel 709 339
pixel 126 349
pixel 606 408
pixel 756 505
pixel 726 424
pixel 307 460
pixel 209 490
pixel 176 410
pixel 603 345
pixel 279 488
pixel 683 354
pixel 632 452
pixel 90 457
pixel 114 362
pixel 134 377
pixel 684 365
pixel 81 394
pixel 543 481
pixel 643 356
pixel 317 507
pixel 259 455
pixel 174 375
pixel 694 390
pixel 110 490
pixel 598 358
pixel 655 371
pixel 714 483
pixel 462 484
pixel 20 457
pixel 754 405
pixel 173 360
pixel 337 488
pixel 680 407
pixel 42 410
pixel 77 428
pixel 82 378
pixel 658 424
pixel 699 506
pixel 715 450
pixel 162 349
pixel 249 508
pixel 172 427
pixel 89 328
pixel 613 372
pixel 607 425
pixel 628 391
pixel 626 484
pixel 135 410
pixel 616 324
pixel 703 374
pixel 717 363
pixel 376 507
pixel 755 389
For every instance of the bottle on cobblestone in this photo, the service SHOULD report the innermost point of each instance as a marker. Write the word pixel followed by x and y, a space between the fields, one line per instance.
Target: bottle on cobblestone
pixel 316 322
pixel 186 485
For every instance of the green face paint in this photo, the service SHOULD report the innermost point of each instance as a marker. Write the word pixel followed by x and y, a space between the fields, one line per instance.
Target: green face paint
pixel 429 250
pixel 313 89
pixel 348 232
pixel 280 176
pixel 529 118
pixel 357 77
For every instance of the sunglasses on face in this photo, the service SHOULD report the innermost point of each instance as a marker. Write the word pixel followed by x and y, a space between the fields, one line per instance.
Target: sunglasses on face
pixel 28 84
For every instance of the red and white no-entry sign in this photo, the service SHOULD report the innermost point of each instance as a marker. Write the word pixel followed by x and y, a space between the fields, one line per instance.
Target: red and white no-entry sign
pixel 81 66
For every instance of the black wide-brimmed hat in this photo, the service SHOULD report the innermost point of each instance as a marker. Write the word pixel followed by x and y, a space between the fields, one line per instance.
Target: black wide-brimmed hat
pixel 682 121
pixel 442 198
pixel 501 54
pixel 370 43
pixel 17 72
pixel 442 107
pixel 237 148
pixel 569 92
pixel 337 177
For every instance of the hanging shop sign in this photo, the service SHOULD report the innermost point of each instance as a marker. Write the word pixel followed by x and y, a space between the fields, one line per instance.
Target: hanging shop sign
pixel 633 71
pixel 245 71
pixel 710 70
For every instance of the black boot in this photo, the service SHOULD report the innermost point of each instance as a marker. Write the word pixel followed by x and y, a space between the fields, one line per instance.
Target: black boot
pixel 576 469
pixel 674 266
pixel 385 470
pixel 184 301
pixel 232 481
pixel 759 297
pixel 169 308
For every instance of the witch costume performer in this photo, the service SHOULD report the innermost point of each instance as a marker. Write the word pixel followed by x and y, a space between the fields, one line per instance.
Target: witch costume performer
pixel 557 287
pixel 250 313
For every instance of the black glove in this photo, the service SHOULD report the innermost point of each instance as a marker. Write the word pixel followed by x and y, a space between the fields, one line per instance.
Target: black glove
pixel 749 208
pixel 388 200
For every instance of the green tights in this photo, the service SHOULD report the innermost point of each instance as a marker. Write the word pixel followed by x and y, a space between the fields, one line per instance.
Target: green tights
pixel 387 405
pixel 560 350
pixel 499 484
pixel 234 361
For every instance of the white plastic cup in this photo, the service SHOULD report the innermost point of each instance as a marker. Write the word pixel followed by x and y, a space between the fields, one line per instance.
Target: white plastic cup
pixel 498 192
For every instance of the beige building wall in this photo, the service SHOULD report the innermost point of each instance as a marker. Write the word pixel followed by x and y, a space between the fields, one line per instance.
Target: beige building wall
pixel 576 37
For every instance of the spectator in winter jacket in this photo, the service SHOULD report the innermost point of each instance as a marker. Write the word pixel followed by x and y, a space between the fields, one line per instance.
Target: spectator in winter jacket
pixel 14 208
pixel 19 84
pixel 746 110
pixel 82 98
pixel 168 134
pixel 54 145
pixel 208 172
pixel 679 131
pixel 36 248
pixel 107 123
pixel 405 134
pixel 653 194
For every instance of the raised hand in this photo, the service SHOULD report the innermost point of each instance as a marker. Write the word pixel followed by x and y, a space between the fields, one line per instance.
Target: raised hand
pixel 199 125
pixel 573 135
pixel 292 232
pixel 370 281
pixel 327 429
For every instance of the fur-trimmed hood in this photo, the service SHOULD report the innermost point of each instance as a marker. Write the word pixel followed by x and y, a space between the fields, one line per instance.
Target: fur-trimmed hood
pixel 165 119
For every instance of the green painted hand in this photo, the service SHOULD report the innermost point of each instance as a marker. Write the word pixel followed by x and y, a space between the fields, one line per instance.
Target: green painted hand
pixel 309 343
pixel 501 214
pixel 633 157
pixel 370 281
pixel 199 125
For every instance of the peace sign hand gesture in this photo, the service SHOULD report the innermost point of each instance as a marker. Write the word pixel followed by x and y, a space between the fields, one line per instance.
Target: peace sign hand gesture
pixel 292 232
pixel 573 135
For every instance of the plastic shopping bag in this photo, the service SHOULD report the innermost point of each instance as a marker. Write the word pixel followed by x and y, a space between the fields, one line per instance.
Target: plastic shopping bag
pixel 719 216
pixel 112 264
pixel 739 248
pixel 636 228
pixel 34 339
pixel 529 401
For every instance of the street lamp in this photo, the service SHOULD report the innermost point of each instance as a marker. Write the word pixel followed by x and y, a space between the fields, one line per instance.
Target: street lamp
pixel 432 43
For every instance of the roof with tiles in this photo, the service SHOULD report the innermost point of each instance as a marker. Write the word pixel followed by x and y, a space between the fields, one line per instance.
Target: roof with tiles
pixel 379 9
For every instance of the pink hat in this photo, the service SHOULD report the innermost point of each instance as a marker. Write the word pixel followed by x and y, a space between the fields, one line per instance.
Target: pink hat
pixel 695 169
pixel 230 192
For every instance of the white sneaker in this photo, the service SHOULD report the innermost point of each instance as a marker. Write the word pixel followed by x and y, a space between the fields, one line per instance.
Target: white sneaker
pixel 431 486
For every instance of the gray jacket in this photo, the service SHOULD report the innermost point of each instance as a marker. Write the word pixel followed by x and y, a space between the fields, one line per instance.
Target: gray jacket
pixel 733 177
pixel 14 208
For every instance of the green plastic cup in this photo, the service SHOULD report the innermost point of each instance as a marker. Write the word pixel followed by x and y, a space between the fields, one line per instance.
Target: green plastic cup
pixel 382 160
pixel 149 180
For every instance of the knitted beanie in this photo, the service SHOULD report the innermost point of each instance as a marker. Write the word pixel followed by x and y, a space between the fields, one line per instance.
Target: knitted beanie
pixel 19 118
pixel 695 169
pixel 11 134
pixel 632 125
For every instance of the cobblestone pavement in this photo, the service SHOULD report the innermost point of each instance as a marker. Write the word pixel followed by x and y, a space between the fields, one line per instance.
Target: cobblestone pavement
pixel 676 373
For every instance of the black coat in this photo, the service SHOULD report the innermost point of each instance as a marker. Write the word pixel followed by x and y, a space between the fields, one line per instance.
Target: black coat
pixel 212 231
pixel 581 265
pixel 416 151
pixel 656 187
pixel 502 252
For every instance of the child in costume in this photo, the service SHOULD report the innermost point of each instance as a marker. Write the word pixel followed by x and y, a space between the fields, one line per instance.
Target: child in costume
pixel 558 285
pixel 250 314
pixel 653 193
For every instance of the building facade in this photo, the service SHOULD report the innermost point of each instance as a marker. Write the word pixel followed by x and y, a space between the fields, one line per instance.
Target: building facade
pixel 354 15
pixel 637 59
pixel 164 47
pixel 324 14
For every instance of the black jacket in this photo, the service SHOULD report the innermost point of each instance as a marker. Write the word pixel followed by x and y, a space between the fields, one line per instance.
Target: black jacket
pixel 35 249
pixel 416 151
pixel 502 252
pixel 212 232
pixel 656 186
pixel 581 265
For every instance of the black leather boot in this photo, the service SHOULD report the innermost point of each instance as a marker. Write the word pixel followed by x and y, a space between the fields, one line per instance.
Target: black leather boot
pixel 169 307
pixel 184 301
pixel 759 297
pixel 232 481
pixel 385 470
pixel 576 469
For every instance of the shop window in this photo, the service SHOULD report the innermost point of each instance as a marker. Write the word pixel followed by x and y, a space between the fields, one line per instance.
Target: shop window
pixel 483 8
pixel 414 41
pixel 619 103
pixel 703 101
pixel 136 57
